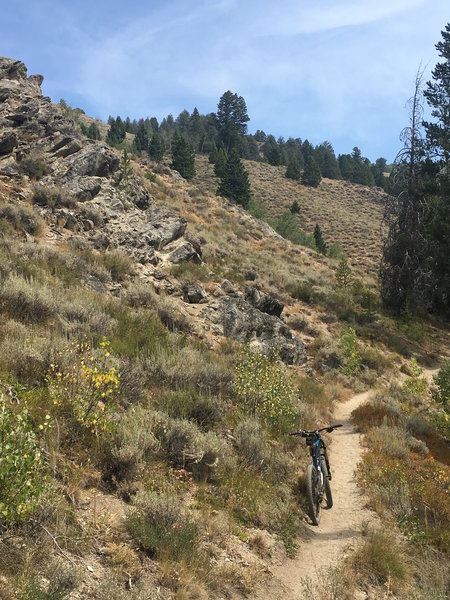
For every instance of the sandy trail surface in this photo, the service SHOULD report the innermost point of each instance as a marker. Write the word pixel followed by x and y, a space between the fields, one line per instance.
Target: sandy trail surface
pixel 340 527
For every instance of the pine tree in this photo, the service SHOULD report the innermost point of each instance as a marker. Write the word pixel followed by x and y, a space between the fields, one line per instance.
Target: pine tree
pixel 221 163
pixel 343 274
pixel 437 94
pixel 156 147
pixel 195 129
pixel 141 138
pixel 295 208
pixel 93 132
pixel 293 169
pixel 232 119
pixel 183 158
pixel 311 175
pixel 235 184
pixel 213 154
pixel 116 132
pixel 318 238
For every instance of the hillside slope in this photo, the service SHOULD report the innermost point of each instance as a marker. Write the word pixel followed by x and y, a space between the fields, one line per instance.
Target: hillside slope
pixel 129 301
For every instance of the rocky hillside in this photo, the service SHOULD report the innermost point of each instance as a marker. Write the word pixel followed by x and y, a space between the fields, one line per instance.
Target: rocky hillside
pixel 137 314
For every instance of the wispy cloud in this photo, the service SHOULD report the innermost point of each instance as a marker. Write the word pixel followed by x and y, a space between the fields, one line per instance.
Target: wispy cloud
pixel 320 69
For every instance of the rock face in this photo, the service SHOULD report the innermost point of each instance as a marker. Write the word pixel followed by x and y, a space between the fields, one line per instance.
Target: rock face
pixel 244 323
pixel 193 293
pixel 36 131
pixel 264 302
pixel 100 209
pixel 8 142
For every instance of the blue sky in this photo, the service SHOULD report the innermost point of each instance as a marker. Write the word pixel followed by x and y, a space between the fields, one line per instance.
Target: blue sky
pixel 336 70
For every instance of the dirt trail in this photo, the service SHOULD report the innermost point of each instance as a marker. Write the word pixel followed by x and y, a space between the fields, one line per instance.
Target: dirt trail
pixel 339 527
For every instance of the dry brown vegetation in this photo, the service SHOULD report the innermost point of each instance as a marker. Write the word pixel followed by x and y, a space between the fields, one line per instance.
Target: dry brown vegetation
pixel 179 448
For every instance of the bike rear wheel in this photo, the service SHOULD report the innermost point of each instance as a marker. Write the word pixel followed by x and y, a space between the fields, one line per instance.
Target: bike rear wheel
pixel 327 485
pixel 313 493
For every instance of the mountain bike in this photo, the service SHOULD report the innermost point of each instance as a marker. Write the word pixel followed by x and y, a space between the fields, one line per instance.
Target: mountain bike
pixel 318 473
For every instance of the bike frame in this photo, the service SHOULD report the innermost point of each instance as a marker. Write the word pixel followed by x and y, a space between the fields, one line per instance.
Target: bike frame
pixel 316 486
pixel 316 453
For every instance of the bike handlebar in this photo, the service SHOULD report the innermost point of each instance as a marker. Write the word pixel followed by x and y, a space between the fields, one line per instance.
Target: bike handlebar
pixel 303 433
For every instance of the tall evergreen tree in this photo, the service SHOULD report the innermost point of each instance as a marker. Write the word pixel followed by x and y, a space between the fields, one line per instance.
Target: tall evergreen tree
pixel 271 151
pixel 116 132
pixel 156 147
pixel 93 132
pixel 327 162
pixel 183 158
pixel 195 129
pixel 415 270
pixel 311 175
pixel 318 238
pixel 221 163
pixel 141 138
pixel 235 184
pixel 232 119
pixel 293 170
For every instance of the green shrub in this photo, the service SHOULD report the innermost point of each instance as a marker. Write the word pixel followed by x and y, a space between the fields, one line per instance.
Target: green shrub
pixel 27 300
pixel 158 522
pixel 88 387
pixel 351 352
pixel 21 218
pixel 191 405
pixel 21 463
pixel 53 197
pixel 415 384
pixel 251 443
pixel 135 442
pixel 302 290
pixel 34 166
pixel 256 452
pixel 335 250
pixel 442 382
pixel 186 445
pixel 287 225
pixel 137 333
pixel 118 263
pixel 27 353
pixel 381 558
pixel 256 208
pixel 263 390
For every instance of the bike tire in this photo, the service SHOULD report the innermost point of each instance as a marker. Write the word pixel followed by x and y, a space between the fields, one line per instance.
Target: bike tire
pixel 312 494
pixel 327 485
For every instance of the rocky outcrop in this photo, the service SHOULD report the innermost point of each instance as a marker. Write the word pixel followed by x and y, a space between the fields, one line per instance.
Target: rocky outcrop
pixel 241 321
pixel 193 293
pixel 95 160
pixel 8 142
pixel 264 302
pixel 182 253
pixel 164 227
pixel 105 212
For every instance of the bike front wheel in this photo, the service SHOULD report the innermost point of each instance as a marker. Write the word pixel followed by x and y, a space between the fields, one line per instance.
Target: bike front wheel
pixel 313 493
pixel 326 483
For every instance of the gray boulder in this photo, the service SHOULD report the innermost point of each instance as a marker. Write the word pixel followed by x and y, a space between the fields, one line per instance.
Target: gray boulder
pixel 241 321
pixel 95 160
pixel 165 226
pixel 65 146
pixel 193 293
pixel 8 142
pixel 182 253
pixel 264 302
